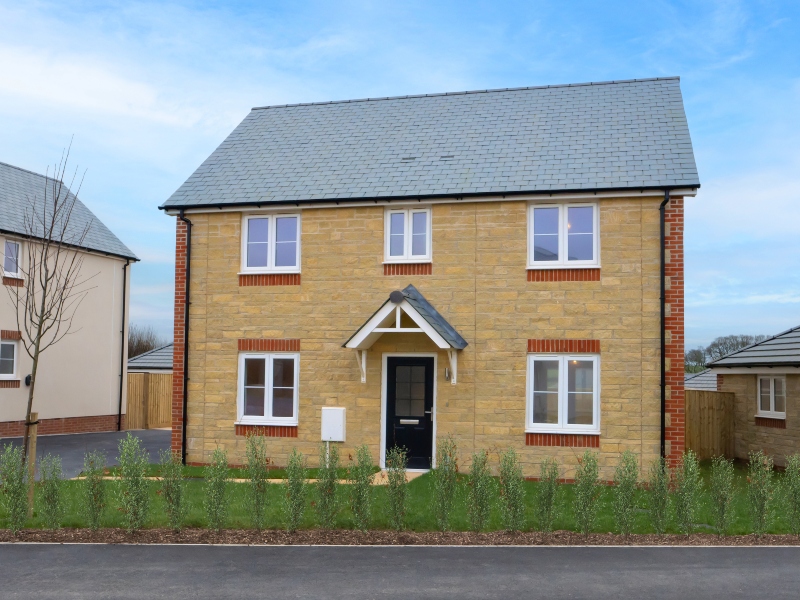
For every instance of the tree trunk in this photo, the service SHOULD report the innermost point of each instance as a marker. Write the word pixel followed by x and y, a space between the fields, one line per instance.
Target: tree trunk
pixel 32 462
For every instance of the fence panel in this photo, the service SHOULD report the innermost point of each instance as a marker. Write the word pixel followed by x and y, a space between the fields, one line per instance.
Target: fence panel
pixel 709 423
pixel 149 401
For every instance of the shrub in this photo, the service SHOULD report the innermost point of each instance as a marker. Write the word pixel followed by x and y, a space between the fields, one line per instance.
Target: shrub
pixel 444 482
pixel 626 482
pixel 51 491
pixel 173 488
pixel 587 491
pixel 360 476
pixel 688 489
pixel 257 466
pixel 327 484
pixel 512 492
pixel 397 488
pixel 547 496
pixel 93 488
pixel 479 500
pixel 295 500
pixel 722 493
pixel 14 482
pixel 760 491
pixel 792 492
pixel 133 487
pixel 658 495
pixel 217 500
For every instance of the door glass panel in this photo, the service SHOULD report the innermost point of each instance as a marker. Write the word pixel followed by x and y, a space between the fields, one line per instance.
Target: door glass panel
pixel 545 234
pixel 764 404
pixel 580 388
pixel 410 391
pixel 780 396
pixel 257 242
pixel 286 242
pixel 397 234
pixel 545 391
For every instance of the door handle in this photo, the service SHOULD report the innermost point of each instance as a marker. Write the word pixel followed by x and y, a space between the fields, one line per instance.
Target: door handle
pixel 427 412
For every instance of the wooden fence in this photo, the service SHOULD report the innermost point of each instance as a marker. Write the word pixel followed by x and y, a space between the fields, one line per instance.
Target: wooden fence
pixel 149 401
pixel 709 423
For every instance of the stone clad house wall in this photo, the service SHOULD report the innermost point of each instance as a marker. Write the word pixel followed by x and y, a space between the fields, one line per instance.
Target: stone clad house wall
pixel 479 283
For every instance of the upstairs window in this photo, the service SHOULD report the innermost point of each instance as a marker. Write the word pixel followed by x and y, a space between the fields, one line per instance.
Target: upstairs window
pixel 408 235
pixel 772 397
pixel 268 389
pixel 11 259
pixel 8 360
pixel 563 393
pixel 271 243
pixel 563 235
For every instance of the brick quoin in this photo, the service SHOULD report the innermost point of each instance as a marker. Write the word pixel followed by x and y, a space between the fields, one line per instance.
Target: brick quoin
pixel 281 431
pixel 61 426
pixel 674 326
pixel 178 332
pixel 266 279
pixel 408 269
pixel 564 440
pixel 578 346
pixel 268 345
pixel 563 275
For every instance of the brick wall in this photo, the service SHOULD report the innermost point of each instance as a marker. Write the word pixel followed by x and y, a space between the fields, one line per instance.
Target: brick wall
pixel 675 402
pixel 65 425
pixel 178 335
pixel 479 283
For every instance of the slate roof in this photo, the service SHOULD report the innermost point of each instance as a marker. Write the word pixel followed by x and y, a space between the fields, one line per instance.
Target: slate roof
pixel 434 319
pixel 156 359
pixel 782 350
pixel 704 380
pixel 18 187
pixel 594 136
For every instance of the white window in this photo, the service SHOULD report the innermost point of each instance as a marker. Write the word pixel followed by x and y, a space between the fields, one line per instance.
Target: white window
pixel 11 258
pixel 562 235
pixel 271 244
pixel 8 360
pixel 408 235
pixel 268 388
pixel 772 397
pixel 563 393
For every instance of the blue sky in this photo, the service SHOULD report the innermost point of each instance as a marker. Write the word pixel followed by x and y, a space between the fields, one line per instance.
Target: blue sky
pixel 150 89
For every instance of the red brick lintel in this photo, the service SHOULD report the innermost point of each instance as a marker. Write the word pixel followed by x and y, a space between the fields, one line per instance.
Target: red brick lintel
pixel 13 281
pixel 267 430
pixel 269 345
pixel 771 422
pixel 563 440
pixel 581 346
pixel 265 279
pixel 592 274
pixel 7 334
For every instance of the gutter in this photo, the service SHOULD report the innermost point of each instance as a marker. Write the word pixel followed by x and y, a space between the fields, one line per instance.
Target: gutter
pixel 122 342
pixel 662 217
pixel 186 333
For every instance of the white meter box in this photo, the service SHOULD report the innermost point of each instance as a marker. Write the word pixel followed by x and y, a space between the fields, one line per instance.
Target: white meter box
pixel 333 424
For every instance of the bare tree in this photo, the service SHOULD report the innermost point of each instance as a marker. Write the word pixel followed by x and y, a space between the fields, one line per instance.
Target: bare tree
pixel 54 286
pixel 142 338
pixel 724 345
pixel 694 360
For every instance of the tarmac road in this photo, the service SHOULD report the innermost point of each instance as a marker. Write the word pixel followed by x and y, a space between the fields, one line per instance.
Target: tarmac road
pixel 232 572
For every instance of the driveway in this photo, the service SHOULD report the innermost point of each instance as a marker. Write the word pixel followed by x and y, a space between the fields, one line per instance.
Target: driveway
pixel 72 447
pixel 191 572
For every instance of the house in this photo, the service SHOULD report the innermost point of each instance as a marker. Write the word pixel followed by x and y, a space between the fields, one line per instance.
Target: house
pixel 705 380
pixel 150 389
pixel 765 379
pixel 502 266
pixel 158 360
pixel 80 382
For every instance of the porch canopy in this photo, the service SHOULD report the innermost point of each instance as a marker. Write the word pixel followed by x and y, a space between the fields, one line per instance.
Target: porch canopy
pixel 405 312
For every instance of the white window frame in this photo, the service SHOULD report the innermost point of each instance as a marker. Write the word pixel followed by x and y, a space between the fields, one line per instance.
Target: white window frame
pixel 241 418
pixel 270 268
pixel 16 360
pixel 407 256
pixel 562 426
pixel 562 262
pixel 18 273
pixel 772 413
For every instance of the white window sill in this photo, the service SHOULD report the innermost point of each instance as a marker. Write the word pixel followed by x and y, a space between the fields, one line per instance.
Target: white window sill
pixel 777 416
pixel 539 267
pixel 291 272
pixel 9 378
pixel 265 423
pixel 408 261
pixel 564 431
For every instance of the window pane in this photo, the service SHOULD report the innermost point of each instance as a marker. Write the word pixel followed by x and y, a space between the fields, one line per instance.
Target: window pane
pixel 580 376
pixel 580 385
pixel 257 230
pixel 286 254
pixel 419 234
pixel 254 402
pixel 257 255
pixel 545 247
pixel 580 219
pixel 254 371
pixel 580 246
pixel 545 220
pixel 764 393
pixel 11 257
pixel 580 409
pixel 545 391
pixel 282 402
pixel 286 229
pixel 396 234
pixel 545 408
pixel 283 372
pixel 419 245
pixel 7 351
pixel 780 396
pixel 6 359
pixel 286 242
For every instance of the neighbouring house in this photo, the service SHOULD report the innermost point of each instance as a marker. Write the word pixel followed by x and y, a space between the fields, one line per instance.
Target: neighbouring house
pixel 704 380
pixel 765 378
pixel 150 389
pixel 80 382
pixel 502 266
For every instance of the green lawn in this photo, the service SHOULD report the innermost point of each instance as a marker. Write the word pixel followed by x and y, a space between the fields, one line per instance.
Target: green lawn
pixel 420 516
